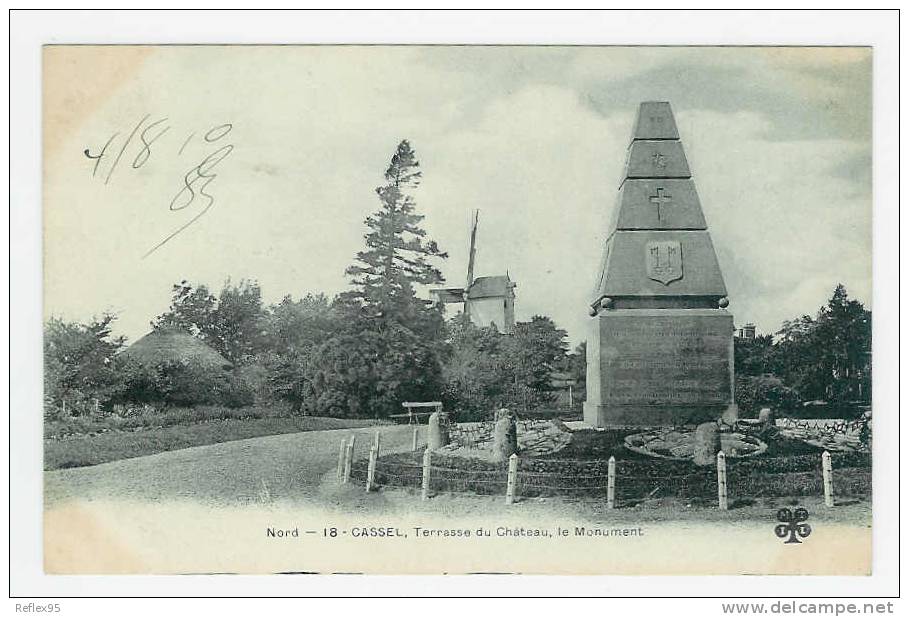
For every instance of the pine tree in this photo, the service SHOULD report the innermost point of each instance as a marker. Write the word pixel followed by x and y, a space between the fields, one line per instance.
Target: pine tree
pixel 827 357
pixel 843 345
pixel 389 342
pixel 397 250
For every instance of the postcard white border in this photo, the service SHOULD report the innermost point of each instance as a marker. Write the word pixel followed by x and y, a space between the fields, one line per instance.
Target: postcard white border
pixel 29 30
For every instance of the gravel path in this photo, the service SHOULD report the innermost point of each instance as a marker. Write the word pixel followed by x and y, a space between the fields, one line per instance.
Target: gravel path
pixel 298 469
pixel 287 467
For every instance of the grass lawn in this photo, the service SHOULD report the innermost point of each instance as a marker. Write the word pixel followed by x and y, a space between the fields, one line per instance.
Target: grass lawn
pixel 83 450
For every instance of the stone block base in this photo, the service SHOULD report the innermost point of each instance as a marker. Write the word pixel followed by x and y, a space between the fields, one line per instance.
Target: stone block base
pixel 658 367
pixel 648 416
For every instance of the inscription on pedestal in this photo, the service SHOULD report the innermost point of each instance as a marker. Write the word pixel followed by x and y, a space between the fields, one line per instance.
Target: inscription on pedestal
pixel 665 360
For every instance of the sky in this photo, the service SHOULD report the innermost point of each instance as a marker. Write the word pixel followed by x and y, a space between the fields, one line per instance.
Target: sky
pixel 290 142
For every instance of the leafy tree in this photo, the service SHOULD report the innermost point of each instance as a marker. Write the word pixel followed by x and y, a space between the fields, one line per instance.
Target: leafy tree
pixel 486 370
pixel 370 374
pixel 231 322
pixel 299 324
pixel 475 370
pixel 534 350
pixel 185 384
pixel 238 329
pixel 80 362
pixel 577 363
pixel 795 356
pixel 192 308
pixel 754 356
pixel 341 377
pixel 295 329
pixel 828 357
pixel 576 366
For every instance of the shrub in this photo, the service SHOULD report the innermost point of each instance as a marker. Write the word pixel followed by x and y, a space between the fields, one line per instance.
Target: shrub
pixel 80 365
pixel 245 386
pixel 754 392
pixel 177 383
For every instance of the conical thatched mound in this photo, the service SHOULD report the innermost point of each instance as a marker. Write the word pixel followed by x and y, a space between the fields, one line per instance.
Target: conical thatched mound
pixel 174 345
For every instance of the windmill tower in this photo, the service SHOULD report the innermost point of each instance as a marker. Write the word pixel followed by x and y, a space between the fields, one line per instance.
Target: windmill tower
pixel 487 300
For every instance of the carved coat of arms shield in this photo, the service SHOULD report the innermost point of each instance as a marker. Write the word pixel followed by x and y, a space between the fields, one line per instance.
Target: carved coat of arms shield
pixel 664 261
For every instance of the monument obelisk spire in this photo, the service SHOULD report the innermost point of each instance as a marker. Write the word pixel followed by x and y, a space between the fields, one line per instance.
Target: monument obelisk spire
pixel 659 351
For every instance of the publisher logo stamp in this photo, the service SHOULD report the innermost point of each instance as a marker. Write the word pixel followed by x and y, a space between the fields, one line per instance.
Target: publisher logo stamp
pixel 792 525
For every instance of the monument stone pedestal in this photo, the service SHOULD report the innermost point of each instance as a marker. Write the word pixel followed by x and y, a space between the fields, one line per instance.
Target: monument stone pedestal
pixel 658 367
pixel 660 346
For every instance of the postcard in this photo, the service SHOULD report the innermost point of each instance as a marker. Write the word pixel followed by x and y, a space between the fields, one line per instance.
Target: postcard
pixel 402 309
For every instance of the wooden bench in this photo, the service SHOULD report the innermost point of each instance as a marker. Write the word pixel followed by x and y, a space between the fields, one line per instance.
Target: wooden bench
pixel 413 417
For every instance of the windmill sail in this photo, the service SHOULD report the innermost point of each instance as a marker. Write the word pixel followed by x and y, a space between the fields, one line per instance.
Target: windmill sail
pixel 472 255
pixel 488 300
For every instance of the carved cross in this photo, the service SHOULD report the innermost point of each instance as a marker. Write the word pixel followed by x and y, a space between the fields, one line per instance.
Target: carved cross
pixel 660 199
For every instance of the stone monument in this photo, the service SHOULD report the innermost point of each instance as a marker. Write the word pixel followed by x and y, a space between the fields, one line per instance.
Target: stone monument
pixel 505 435
pixel 659 350
pixel 706 444
pixel 437 430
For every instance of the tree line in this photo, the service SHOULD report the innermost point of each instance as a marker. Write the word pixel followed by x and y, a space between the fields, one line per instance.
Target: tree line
pixel 359 354
pixel 364 351
pixel 825 358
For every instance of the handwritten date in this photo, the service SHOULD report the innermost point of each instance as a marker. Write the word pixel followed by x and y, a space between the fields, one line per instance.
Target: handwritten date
pixel 193 194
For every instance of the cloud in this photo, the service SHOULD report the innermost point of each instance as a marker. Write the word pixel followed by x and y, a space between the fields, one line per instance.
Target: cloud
pixel 778 141
pixel 533 166
pixel 786 223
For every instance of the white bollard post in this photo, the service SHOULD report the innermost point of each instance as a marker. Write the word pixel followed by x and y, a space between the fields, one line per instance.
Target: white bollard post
pixel 371 471
pixel 610 484
pixel 721 479
pixel 348 462
pixel 376 441
pixel 342 458
pixel 427 464
pixel 416 435
pixel 827 466
pixel 512 479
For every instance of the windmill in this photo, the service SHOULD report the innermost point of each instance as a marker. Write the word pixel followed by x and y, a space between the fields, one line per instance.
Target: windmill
pixel 487 300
